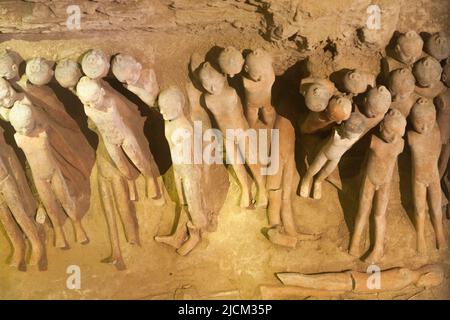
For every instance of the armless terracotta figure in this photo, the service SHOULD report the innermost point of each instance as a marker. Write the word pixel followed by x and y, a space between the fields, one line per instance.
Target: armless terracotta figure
pixel 327 160
pixel 136 78
pixel 336 284
pixel 122 129
pixel 402 84
pixel 425 143
pixel 116 203
pixel 258 81
pixel 374 194
pixel 427 72
pixel 113 187
pixel 60 171
pixel 282 227
pixel 17 210
pixel 443 120
pixel 225 105
pixel 179 133
pixel 338 110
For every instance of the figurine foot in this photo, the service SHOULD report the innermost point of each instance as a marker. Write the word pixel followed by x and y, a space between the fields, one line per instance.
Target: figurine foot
pixel 18 261
pixel 175 240
pixel 317 193
pixel 38 258
pixel 354 252
pixel 421 247
pixel 304 189
pixel 245 200
pixel 375 256
pixel 80 234
pixel 60 242
pixel 281 239
pixel 191 243
pixel 117 262
pixel 262 200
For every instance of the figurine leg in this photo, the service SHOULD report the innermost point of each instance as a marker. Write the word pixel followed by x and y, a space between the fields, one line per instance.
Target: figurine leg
pixel 54 211
pixel 73 209
pixel 38 256
pixel 109 207
pixel 434 196
pixel 380 207
pixel 252 115
pixel 194 239
pixel 15 235
pixel 194 200
pixel 362 217
pixel 318 163
pixel 144 164
pixel 181 232
pixel 286 207
pixel 420 194
pixel 329 167
pixel 275 196
pixel 444 159
pixel 125 209
pixel 269 115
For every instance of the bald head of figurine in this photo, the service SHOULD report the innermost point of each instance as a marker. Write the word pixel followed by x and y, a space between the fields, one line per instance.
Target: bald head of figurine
pixel 423 115
pixel 7 94
pixel 9 65
pixel 438 46
pixel 427 71
pixel 90 92
pixel 231 61
pixel 339 109
pixel 212 81
pixel 126 69
pixel 257 64
pixel 401 83
pixel 393 126
pixel 377 102
pixel 39 71
pixel 355 82
pixel 317 97
pixel 171 103
pixel 95 64
pixel 354 126
pixel 431 276
pixel 409 47
pixel 67 73
pixel 22 118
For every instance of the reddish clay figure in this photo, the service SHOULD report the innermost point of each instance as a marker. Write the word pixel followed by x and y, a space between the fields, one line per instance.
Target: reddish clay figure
pixel 402 84
pixel 427 72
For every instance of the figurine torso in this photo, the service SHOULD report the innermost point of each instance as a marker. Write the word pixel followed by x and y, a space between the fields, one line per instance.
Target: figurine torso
pixel 336 146
pixel 259 93
pixel 382 159
pixel 425 151
pixel 39 154
pixel 227 110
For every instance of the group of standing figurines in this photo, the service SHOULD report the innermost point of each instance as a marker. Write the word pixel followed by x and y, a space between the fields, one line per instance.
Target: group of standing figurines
pixel 61 159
